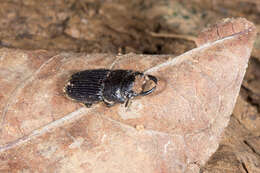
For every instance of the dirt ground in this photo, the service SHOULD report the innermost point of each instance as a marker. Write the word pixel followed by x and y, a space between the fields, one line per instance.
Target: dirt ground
pixel 144 27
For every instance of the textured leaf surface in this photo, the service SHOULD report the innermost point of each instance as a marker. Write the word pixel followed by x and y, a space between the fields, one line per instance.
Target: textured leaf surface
pixel 175 129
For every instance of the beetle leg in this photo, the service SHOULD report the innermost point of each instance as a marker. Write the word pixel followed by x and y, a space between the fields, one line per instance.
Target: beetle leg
pixel 88 105
pixel 115 62
pixel 109 104
pixel 128 102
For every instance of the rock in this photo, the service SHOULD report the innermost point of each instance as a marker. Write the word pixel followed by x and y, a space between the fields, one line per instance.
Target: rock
pixel 175 129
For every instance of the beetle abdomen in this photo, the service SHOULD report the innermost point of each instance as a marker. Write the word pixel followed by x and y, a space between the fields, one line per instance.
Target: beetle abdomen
pixel 87 86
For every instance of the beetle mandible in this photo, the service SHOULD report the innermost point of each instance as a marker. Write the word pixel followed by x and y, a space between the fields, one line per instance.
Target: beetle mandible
pixel 109 86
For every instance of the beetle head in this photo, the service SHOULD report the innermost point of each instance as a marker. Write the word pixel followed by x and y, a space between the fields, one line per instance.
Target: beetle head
pixel 141 85
pixel 138 84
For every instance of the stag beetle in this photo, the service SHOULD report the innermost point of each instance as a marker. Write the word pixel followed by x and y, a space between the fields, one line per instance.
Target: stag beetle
pixel 109 86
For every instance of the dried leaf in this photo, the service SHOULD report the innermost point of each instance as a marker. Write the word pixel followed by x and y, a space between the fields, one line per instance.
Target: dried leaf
pixel 175 129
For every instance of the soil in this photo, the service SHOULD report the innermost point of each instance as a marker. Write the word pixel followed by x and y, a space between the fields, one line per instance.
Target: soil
pixel 144 27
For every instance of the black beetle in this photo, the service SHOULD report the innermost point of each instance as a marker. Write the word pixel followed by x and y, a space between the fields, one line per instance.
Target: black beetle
pixel 110 86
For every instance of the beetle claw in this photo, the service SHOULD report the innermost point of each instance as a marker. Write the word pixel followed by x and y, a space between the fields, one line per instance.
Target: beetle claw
pixel 152 78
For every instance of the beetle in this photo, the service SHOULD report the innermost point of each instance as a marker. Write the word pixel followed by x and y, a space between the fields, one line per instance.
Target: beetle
pixel 110 86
